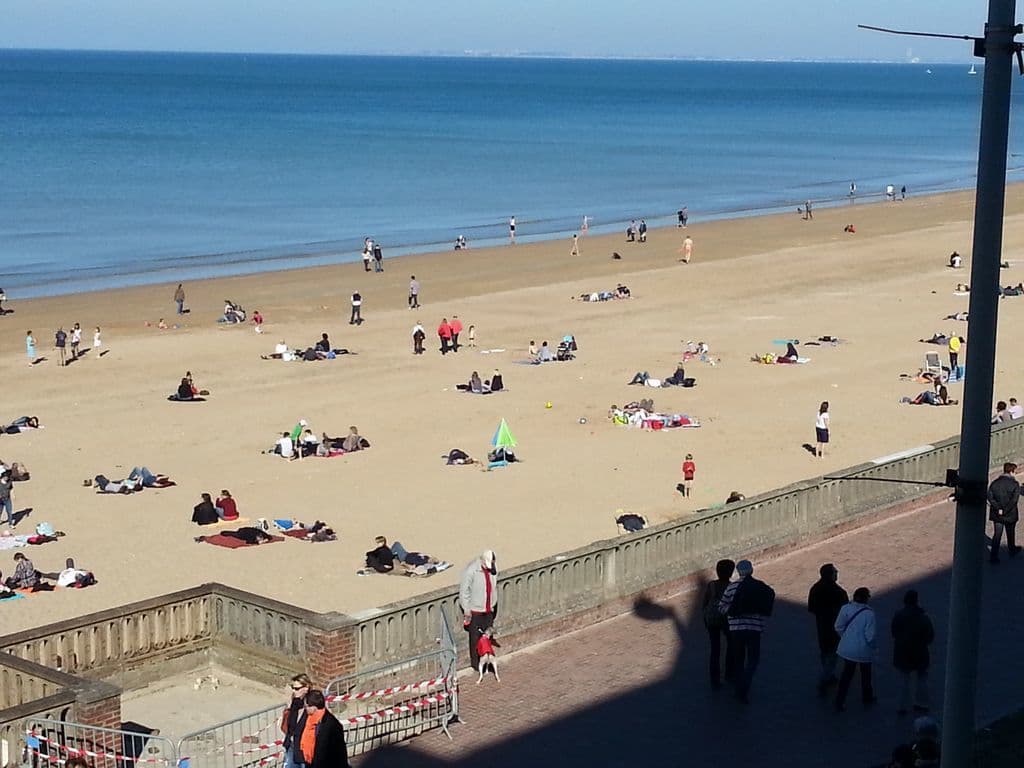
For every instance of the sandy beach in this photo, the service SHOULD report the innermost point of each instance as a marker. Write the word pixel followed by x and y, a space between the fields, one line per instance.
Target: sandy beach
pixel 751 281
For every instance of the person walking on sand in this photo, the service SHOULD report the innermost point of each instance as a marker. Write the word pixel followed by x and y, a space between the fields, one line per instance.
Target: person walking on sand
pixel 512 230
pixel 418 337
pixel 97 342
pixel 357 310
pixel 76 340
pixel 585 226
pixel 575 251
pixel 808 214
pixel 717 624
pixel 60 340
pixel 444 333
pixel 821 429
pixel 179 298
pixel 367 253
pixel 414 292
pixel 824 601
pixel 857 644
pixel 955 342
pixel 748 603
pixel 689 469
pixel 6 505
pixel 456 328
pixel 378 258
pixel 642 230
pixel 478 597
pixel 30 347
pixel 912 633
pixel 687 249
pixel 1003 495
pixel 631 231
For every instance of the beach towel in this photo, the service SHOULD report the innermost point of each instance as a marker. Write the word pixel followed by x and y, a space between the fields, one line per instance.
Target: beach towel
pixel 229 542
pixel 420 571
pixel 9 597
pixel 237 521
pixel 490 351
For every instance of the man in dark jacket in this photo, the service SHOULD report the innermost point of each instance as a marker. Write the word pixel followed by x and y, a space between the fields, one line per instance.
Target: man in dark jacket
pixel 323 738
pixel 1003 495
pixel 824 601
pixel 912 633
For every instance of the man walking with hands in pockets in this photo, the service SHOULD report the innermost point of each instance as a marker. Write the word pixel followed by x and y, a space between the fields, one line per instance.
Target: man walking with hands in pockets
pixel 1003 495
pixel 748 603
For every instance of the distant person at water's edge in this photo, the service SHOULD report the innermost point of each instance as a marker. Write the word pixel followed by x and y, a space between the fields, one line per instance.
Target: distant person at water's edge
pixel 512 230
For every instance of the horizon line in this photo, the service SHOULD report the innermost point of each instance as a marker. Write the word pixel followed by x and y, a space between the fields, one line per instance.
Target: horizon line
pixel 483 54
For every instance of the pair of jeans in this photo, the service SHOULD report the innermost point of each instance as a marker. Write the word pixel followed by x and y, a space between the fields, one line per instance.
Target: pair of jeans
pixel 142 473
pixel 181 306
pixel 846 677
pixel 414 301
pixel 914 690
pixel 8 506
pixel 746 645
pixel 378 265
pixel 293 757
pixel 357 316
pixel 715 637
pixel 828 667
pixel 444 345
pixel 997 537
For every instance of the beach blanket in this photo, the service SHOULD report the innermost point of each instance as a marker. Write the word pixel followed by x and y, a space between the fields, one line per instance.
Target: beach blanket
pixel 230 542
pixel 237 521
pixel 12 597
pixel 491 351
pixel 660 421
pixel 961 293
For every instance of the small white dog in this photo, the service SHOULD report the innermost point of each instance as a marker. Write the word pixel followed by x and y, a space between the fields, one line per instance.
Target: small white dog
pixel 485 646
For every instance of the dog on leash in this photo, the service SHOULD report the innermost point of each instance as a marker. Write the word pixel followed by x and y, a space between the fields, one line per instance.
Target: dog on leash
pixel 485 646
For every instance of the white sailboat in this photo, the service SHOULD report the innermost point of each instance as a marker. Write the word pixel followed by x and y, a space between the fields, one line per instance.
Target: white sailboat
pixel 972 70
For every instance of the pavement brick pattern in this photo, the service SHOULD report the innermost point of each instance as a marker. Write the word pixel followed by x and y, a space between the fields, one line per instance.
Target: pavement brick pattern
pixel 634 689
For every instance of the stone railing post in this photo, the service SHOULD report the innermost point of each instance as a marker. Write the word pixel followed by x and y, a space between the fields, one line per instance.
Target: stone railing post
pixel 332 648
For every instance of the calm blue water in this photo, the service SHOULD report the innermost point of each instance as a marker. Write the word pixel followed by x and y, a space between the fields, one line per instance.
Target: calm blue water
pixel 122 168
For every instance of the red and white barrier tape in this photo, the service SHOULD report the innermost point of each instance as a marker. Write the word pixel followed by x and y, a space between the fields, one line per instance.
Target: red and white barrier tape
pixel 77 752
pixel 388 691
pixel 258 748
pixel 400 709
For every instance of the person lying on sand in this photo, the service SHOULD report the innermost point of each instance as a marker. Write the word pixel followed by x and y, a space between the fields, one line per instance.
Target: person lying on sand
pixel 1013 290
pixel 734 497
pixel 962 288
pixel 281 352
pixel 458 457
pixel 645 379
pixel 15 470
pixel 103 485
pixel 956 316
pixel 74 577
pixel 248 534
pixel 149 479
pixel 937 396
pixel 21 424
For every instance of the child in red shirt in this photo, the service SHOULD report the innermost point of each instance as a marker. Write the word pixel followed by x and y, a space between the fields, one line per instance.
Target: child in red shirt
pixel 485 649
pixel 689 469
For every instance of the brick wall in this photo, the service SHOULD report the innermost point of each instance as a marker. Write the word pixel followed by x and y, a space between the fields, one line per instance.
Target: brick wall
pixel 330 654
pixel 103 713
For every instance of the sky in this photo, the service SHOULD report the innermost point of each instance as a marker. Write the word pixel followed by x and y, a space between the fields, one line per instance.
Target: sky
pixel 723 29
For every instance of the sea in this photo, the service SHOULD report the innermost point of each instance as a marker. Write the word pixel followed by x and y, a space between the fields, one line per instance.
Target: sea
pixel 129 168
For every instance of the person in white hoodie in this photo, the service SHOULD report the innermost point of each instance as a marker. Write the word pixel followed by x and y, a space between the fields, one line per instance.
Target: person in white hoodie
pixel 857 645
pixel 478 597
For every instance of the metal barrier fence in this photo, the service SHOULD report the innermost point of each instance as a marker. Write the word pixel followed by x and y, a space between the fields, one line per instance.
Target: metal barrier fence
pixel 376 707
pixel 250 741
pixel 396 701
pixel 53 742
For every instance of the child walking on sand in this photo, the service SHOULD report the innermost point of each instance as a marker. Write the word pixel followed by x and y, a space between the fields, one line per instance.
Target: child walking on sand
pixel 472 335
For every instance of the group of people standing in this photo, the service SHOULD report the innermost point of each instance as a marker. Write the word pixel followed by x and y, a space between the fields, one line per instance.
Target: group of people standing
pixel 372 252
pixel 736 611
pixel 313 736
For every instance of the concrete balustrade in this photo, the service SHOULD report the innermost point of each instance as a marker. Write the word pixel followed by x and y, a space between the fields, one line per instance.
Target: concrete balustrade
pixel 265 637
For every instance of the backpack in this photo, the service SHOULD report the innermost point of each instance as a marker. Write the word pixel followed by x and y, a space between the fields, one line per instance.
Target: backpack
pixel 752 598
pixel 713 618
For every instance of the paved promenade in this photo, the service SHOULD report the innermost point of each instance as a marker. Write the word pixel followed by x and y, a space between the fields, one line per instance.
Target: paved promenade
pixel 634 690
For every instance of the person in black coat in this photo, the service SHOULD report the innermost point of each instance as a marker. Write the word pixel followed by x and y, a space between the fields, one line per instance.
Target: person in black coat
pixel 329 750
pixel 824 601
pixel 204 513
pixel 912 633
pixel 1003 494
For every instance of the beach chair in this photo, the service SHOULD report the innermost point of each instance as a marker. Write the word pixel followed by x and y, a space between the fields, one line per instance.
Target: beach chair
pixel 932 363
